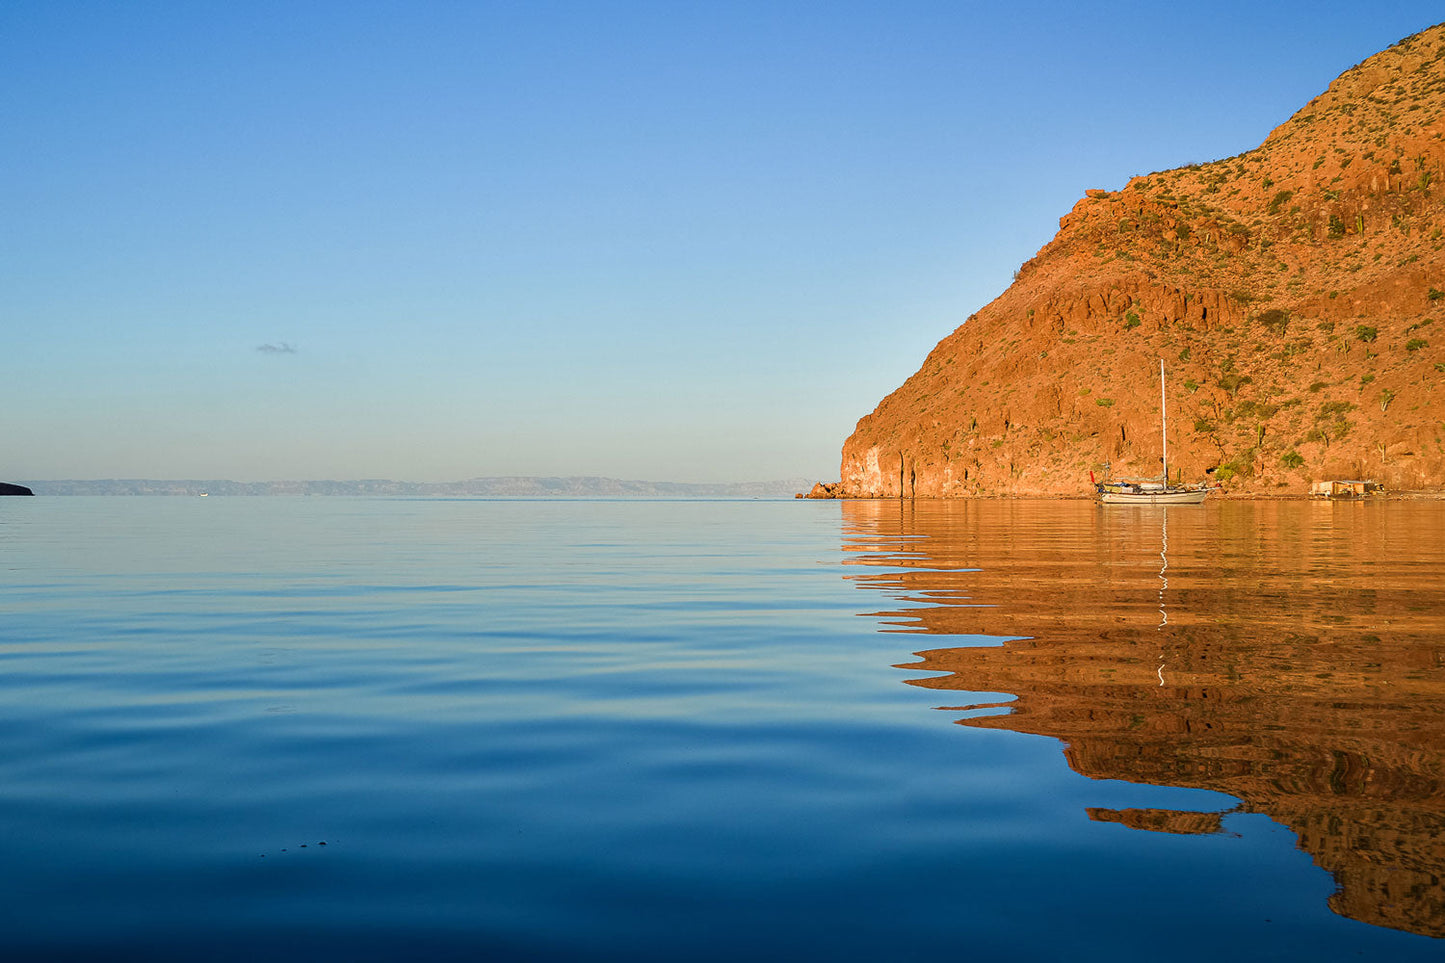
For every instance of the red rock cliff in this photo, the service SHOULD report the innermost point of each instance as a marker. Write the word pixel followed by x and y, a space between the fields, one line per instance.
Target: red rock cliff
pixel 1296 293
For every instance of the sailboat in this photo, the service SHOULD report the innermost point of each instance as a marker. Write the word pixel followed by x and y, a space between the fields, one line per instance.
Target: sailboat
pixel 1152 491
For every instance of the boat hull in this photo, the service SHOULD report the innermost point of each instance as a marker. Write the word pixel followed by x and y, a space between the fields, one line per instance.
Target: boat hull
pixel 1183 496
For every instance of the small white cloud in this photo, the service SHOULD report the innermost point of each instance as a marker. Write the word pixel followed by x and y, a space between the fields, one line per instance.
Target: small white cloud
pixel 282 348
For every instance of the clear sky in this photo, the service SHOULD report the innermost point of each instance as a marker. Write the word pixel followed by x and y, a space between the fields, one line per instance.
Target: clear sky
pixel 689 241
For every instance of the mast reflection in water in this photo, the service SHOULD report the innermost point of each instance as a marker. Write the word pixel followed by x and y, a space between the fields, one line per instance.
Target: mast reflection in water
pixel 1290 654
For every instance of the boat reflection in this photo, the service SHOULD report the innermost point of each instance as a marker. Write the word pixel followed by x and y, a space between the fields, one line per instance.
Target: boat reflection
pixel 1289 654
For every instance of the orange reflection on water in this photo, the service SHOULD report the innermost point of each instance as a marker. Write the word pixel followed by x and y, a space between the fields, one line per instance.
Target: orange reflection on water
pixel 1290 654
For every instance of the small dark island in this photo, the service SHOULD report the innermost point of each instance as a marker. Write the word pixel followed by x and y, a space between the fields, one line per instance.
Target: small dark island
pixel 8 489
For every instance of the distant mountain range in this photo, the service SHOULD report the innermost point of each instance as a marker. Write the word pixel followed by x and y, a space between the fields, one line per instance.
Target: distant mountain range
pixel 511 486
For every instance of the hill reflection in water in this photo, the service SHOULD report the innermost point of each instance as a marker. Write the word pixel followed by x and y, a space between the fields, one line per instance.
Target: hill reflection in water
pixel 1290 654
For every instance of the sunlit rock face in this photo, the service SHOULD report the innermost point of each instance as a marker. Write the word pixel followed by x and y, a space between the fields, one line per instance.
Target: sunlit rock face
pixel 1296 293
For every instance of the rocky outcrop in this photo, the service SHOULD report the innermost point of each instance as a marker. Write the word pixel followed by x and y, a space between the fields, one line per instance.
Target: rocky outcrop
pixel 825 490
pixel 1296 293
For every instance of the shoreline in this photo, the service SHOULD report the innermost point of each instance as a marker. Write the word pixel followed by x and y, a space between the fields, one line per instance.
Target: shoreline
pixel 1214 495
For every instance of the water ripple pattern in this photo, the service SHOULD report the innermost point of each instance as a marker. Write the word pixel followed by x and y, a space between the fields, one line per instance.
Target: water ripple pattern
pixel 352 728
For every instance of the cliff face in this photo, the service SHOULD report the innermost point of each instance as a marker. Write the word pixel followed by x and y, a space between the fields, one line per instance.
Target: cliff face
pixel 1296 293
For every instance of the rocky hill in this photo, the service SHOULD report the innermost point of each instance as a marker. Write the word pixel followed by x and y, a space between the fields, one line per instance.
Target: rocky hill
pixel 1296 293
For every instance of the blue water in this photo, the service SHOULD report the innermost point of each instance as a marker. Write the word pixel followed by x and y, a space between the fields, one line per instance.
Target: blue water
pixel 333 728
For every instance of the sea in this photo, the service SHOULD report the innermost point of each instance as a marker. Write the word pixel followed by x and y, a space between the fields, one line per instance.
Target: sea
pixel 335 728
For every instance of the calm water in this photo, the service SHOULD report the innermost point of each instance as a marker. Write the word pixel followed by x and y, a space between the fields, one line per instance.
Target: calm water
pixel 381 729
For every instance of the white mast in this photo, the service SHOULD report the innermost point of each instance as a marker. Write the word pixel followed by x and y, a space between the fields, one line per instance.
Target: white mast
pixel 1163 423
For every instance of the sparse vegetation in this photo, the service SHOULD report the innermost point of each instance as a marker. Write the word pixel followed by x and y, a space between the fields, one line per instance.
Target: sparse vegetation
pixel 1240 466
pixel 1275 320
pixel 1232 382
pixel 1365 333
pixel 1278 201
pixel 1256 409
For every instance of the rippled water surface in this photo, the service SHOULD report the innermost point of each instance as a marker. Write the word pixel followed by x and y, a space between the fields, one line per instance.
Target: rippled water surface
pixel 382 728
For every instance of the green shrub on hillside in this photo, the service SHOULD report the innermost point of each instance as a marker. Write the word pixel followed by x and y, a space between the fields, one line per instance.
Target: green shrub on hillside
pixel 1275 320
pixel 1240 466
pixel 1232 382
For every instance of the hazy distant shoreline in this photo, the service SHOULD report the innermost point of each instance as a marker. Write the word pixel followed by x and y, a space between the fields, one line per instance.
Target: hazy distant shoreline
pixel 531 486
pixel 512 486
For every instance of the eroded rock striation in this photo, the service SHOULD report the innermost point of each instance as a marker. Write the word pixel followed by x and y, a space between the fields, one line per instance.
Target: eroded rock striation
pixel 1296 293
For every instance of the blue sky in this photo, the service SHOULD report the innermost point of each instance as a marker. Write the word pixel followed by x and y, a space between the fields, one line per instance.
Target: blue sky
pixel 683 241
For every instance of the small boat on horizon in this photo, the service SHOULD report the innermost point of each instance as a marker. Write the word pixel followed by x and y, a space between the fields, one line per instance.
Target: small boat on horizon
pixel 1152 491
